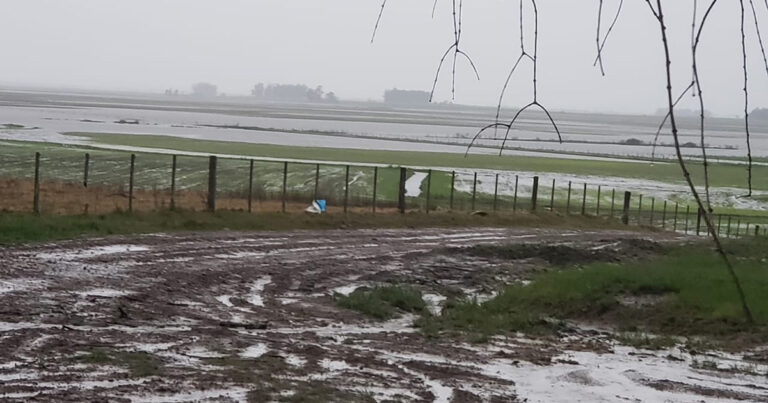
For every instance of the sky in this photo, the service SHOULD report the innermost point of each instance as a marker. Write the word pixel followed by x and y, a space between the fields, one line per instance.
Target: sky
pixel 152 45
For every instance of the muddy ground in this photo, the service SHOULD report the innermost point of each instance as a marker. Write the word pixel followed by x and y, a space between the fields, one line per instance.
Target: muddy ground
pixel 251 317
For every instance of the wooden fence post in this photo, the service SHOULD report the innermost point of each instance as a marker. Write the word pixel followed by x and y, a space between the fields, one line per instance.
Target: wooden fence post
pixel 719 223
pixel 453 187
pixel 653 208
pixel 36 190
pixel 285 186
pixel 429 187
pixel 687 213
pixel 250 187
pixel 613 201
pixel 496 193
pixel 738 227
pixel 346 188
pixel 375 187
pixel 552 197
pixel 584 200
pixel 173 182
pixel 625 212
pixel 599 191
pixel 212 166
pixel 664 216
pixel 130 183
pixel 728 227
pixel 317 181
pixel 474 191
pixel 568 202
pixel 85 169
pixel 757 230
pixel 698 221
pixel 401 191
pixel 514 199
pixel 534 193
pixel 674 225
pixel 639 208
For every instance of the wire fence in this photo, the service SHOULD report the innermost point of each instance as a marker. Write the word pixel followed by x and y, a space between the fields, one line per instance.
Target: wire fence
pixel 62 181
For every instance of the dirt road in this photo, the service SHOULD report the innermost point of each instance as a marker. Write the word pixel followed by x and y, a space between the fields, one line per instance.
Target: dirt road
pixel 250 317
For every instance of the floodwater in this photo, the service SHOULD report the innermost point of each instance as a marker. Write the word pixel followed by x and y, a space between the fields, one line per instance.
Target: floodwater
pixel 357 126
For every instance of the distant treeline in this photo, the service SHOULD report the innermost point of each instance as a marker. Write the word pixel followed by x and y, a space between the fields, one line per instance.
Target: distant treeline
pixel 292 92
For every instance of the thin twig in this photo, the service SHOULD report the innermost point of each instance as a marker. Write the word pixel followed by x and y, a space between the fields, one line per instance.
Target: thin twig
pixel 517 115
pixel 664 121
pixel 457 30
pixel 746 98
pixel 597 37
pixel 608 34
pixel 378 20
pixel 697 81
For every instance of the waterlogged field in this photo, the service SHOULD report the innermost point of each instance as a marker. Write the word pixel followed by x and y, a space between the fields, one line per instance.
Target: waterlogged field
pixel 244 317
pixel 512 189
pixel 436 128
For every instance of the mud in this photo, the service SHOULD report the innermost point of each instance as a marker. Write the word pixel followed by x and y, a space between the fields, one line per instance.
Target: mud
pixel 232 316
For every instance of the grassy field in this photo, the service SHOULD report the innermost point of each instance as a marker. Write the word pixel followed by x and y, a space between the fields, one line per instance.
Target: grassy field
pixel 692 290
pixel 109 171
pixel 683 291
pixel 724 175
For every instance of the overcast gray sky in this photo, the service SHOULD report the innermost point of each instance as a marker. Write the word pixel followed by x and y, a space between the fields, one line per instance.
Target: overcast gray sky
pixel 151 45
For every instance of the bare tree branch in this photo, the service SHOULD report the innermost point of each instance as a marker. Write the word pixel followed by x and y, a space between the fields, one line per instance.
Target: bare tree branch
pixel 378 20
pixel 686 174
pixel 697 81
pixel 457 30
pixel 524 55
pixel 746 98
pixel 608 34
pixel 597 39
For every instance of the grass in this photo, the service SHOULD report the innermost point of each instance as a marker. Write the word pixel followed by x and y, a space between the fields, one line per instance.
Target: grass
pixel 696 297
pixel 25 227
pixel 383 302
pixel 725 175
pixel 140 364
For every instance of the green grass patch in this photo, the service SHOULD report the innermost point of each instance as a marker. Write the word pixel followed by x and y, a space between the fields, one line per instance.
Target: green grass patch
pixel 140 364
pixel 685 292
pixel 383 302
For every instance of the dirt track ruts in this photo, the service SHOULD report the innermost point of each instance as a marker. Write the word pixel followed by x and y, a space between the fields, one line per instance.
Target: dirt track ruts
pixel 236 316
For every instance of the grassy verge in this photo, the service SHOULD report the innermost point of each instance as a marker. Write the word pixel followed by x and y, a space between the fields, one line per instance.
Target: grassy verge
pixel 140 364
pixel 684 292
pixel 24 227
pixel 382 302
pixel 725 175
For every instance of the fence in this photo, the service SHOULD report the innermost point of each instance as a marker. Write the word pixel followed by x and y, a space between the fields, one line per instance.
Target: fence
pixel 102 181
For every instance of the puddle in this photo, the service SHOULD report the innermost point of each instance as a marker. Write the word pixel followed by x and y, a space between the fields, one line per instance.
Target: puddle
pixel 257 289
pixel 91 253
pixel 255 351
pixel 103 292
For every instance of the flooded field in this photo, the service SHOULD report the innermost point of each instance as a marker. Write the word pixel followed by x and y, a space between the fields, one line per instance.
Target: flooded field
pixel 141 319
pixel 357 126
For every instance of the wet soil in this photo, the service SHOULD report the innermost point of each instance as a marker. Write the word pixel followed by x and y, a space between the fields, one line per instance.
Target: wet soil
pixel 250 316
